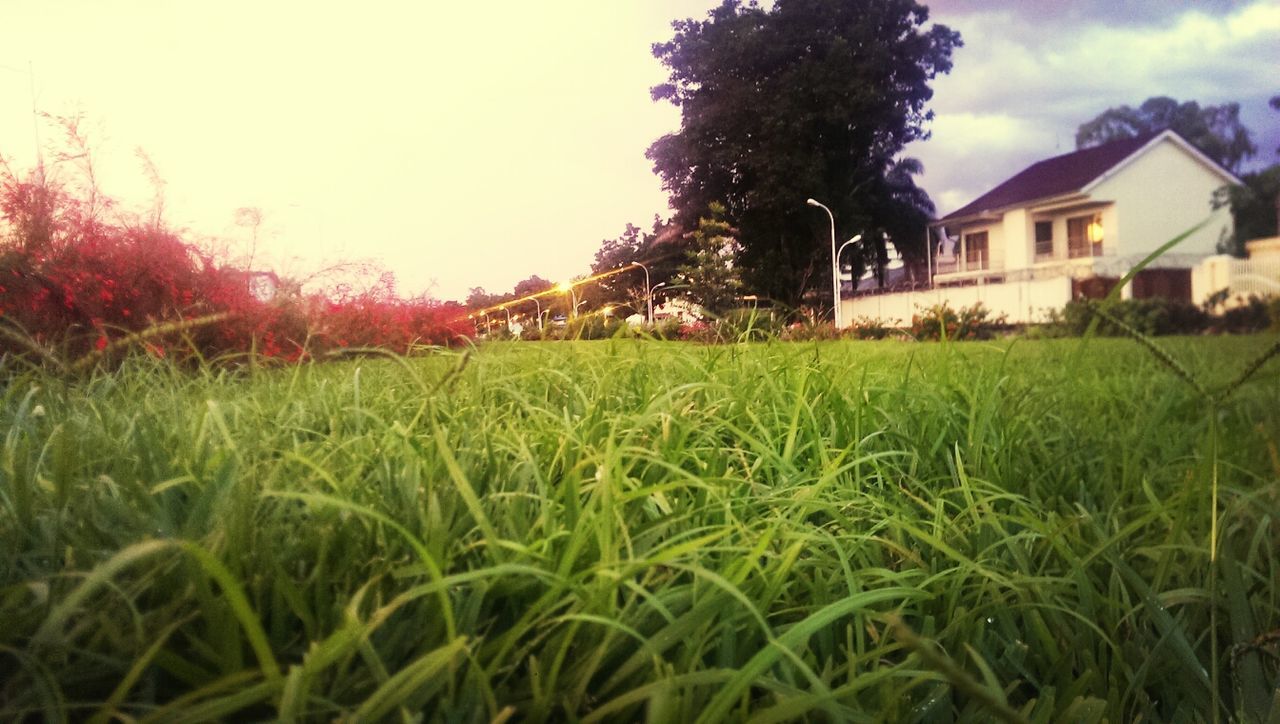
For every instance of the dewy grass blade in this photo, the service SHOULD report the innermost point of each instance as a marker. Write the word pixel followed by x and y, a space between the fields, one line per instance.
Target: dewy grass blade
pixel 51 630
pixel 681 530
pixel 409 682
pixel 992 698
pixel 239 604
pixel 468 494
pixel 424 555
pixel 720 706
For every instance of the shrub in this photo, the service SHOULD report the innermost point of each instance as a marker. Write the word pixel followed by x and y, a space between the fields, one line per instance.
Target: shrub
pixel 1155 316
pixel 869 328
pixel 1252 316
pixel 79 285
pixel 940 321
pixel 699 332
pixel 748 324
pixel 810 331
pixel 668 328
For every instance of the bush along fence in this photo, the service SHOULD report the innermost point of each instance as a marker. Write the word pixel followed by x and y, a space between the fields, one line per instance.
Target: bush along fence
pixel 74 286
pixel 1165 316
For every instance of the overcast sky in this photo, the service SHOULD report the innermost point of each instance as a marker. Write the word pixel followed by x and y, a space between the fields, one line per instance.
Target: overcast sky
pixel 473 144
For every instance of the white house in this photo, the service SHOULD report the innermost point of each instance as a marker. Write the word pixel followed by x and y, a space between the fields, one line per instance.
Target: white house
pixel 1071 226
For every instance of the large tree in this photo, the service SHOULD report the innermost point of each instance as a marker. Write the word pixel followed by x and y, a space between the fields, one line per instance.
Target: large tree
pixel 809 98
pixel 661 250
pixel 1215 130
pixel 1255 205
pixel 1253 208
pixel 1275 104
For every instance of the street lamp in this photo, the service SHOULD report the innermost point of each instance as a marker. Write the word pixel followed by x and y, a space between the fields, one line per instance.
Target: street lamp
pixel 835 266
pixel 539 308
pixel 563 287
pixel 653 289
pixel 508 311
pixel 856 238
pixel 648 289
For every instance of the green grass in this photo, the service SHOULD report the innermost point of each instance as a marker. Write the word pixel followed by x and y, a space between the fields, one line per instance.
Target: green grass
pixel 626 530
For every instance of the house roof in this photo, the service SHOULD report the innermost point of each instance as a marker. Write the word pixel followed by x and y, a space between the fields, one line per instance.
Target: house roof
pixel 1069 173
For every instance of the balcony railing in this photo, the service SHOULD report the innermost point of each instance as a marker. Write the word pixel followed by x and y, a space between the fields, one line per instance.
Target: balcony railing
pixel 1083 249
pixel 947 264
pixel 974 261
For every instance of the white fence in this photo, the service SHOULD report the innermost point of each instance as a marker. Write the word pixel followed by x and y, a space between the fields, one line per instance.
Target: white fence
pixel 1020 301
pixel 1241 278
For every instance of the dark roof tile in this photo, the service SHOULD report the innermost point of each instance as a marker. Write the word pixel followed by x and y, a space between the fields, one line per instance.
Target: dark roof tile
pixel 1054 176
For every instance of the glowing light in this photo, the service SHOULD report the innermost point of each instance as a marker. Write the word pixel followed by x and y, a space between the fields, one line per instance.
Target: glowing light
pixel 1094 231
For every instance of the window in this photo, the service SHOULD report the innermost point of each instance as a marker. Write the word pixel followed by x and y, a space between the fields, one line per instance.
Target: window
pixel 1044 240
pixel 1084 236
pixel 975 251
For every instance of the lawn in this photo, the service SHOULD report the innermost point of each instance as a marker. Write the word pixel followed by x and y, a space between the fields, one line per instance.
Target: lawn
pixel 629 530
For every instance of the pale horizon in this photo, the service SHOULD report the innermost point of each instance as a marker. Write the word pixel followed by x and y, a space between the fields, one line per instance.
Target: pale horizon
pixel 475 146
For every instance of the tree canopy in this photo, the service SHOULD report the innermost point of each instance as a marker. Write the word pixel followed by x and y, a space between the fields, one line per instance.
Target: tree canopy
pixel 1253 208
pixel 710 269
pixel 1275 105
pixel 1215 130
pixel 809 98
pixel 661 250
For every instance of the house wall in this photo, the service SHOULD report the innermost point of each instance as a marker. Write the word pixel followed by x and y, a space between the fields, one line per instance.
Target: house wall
pixel 1015 250
pixel 1021 301
pixel 1159 195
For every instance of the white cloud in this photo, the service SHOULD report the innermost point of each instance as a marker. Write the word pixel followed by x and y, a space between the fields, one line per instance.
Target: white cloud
pixel 1022 84
pixel 987 131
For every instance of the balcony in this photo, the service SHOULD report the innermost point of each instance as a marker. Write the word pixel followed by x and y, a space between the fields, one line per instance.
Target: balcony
pixel 1082 249
pixel 975 260
pixel 1084 236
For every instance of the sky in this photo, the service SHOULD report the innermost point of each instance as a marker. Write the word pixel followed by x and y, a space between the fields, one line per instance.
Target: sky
pixel 462 144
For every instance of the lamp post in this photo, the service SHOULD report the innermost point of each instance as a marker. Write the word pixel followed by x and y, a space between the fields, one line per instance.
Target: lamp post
pixel 835 266
pixel 653 289
pixel 539 308
pixel 648 290
pixel 568 287
pixel 508 311
pixel 856 238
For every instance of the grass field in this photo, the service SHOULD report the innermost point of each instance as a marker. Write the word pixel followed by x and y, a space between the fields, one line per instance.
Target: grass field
pixel 626 530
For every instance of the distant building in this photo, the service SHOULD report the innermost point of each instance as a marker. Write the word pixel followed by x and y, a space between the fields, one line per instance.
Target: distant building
pixel 1071 226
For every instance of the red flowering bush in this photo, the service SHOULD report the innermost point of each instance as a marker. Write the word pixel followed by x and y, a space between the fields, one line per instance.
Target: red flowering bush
pixel 941 321
pixel 72 282
pixel 698 331
pixel 368 320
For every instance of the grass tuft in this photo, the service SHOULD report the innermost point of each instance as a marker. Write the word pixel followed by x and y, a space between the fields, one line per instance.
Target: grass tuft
pixel 630 529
